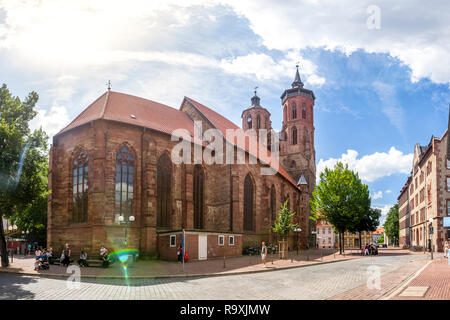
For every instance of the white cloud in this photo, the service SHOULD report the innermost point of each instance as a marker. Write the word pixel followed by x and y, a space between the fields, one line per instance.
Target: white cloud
pixel 264 67
pixel 384 212
pixel 72 33
pixel 389 105
pixel 377 195
pixel 51 121
pixel 373 166
pixel 415 34
pixel 82 37
pixel 388 191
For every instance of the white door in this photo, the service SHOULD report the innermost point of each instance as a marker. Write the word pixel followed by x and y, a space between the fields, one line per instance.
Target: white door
pixel 202 247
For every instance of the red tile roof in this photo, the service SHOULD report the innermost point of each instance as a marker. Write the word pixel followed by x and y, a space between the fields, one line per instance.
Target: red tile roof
pixel 379 230
pixel 116 106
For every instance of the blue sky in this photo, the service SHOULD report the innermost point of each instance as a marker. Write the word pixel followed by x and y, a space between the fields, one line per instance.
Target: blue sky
pixel 378 90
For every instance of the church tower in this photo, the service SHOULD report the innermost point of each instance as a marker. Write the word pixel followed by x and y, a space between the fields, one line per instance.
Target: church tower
pixel 257 117
pixel 297 153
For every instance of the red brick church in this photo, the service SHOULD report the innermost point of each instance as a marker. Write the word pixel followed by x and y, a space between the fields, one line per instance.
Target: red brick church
pixel 114 160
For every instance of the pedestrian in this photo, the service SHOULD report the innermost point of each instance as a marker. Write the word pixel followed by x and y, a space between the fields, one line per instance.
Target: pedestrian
pixel 263 253
pixel 180 253
pixel 446 249
pixel 66 252
pixel 28 249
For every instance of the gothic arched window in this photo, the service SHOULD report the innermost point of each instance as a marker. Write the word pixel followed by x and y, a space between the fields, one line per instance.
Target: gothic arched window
pixel 294 135
pixel 258 122
pixel 273 209
pixel 248 203
pixel 294 111
pixel 198 196
pixel 80 187
pixel 124 189
pixel 164 191
pixel 249 122
pixel 304 111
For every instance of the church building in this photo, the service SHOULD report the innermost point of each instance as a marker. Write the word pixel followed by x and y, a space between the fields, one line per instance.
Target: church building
pixel 114 161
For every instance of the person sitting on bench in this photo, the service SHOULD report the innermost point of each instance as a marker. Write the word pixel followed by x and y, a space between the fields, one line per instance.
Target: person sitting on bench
pixel 104 256
pixel 83 259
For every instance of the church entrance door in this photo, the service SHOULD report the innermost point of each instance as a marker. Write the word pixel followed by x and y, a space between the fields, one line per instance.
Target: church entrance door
pixel 202 247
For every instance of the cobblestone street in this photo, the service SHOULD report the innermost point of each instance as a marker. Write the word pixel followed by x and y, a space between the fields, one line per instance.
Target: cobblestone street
pixel 311 282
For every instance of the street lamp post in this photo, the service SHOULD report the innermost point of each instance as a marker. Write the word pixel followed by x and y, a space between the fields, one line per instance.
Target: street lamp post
pixel 297 230
pixel 126 223
pixel 431 231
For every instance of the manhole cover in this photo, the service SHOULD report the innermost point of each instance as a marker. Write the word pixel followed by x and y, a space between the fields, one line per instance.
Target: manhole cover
pixel 414 292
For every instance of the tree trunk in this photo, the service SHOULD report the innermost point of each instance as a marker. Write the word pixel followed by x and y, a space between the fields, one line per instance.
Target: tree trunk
pixel 5 260
pixel 340 243
pixel 360 241
pixel 343 244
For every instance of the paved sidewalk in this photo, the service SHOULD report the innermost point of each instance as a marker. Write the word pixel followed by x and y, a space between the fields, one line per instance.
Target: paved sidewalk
pixel 388 283
pixel 434 280
pixel 237 265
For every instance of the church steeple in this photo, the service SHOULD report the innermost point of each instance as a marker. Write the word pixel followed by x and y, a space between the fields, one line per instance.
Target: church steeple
pixel 256 100
pixel 297 81
pixel 448 133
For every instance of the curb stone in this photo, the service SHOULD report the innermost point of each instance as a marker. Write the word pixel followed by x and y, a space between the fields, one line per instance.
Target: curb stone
pixel 178 276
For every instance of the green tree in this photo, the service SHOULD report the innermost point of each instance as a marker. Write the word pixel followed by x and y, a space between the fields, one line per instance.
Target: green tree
pixel 369 221
pixel 23 166
pixel 341 199
pixel 283 224
pixel 391 225
pixel 380 240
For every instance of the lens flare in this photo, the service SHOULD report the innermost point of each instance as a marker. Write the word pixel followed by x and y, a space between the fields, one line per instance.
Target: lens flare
pixel 125 257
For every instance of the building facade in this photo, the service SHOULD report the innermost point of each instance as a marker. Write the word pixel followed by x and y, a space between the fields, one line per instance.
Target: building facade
pixel 352 239
pixel 429 195
pixel 326 238
pixel 404 216
pixel 377 234
pixel 115 160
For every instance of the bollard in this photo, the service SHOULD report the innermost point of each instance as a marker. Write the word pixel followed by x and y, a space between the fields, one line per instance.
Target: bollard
pixel 224 262
pixel 321 255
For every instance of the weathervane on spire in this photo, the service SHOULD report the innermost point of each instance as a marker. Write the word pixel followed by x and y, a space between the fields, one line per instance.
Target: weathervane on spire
pixel 256 88
pixel 109 85
pixel 297 81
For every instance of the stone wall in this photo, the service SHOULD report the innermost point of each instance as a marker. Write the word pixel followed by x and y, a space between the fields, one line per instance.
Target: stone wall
pixel 224 189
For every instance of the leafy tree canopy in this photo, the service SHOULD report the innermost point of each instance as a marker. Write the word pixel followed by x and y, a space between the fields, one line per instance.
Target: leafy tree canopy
pixel 23 165
pixel 341 198
pixel 283 224
pixel 391 225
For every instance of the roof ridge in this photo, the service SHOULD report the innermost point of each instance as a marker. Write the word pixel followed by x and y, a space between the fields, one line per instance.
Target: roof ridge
pixel 102 113
pixel 83 112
